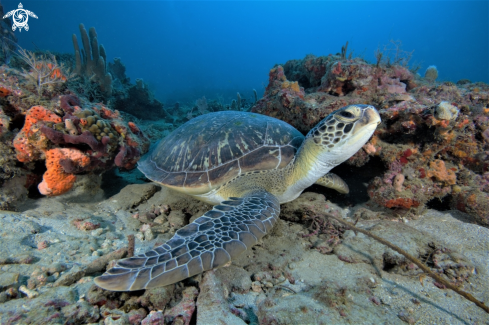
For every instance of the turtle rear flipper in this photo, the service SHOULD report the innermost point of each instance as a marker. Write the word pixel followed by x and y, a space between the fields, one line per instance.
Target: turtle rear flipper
pixel 209 242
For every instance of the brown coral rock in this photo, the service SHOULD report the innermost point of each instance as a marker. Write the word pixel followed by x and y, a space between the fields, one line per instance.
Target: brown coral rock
pixel 441 173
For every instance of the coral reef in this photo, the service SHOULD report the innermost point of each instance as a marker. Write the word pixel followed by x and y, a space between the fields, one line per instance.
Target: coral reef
pixel 97 83
pixel 44 74
pixel 19 92
pixel 432 146
pixel 303 92
pixel 139 101
pixel 91 62
pixel 61 163
pixel 13 178
pixel 81 140
pixel 118 71
pixel 433 140
pixel 38 115
pixel 44 108
pixel 30 142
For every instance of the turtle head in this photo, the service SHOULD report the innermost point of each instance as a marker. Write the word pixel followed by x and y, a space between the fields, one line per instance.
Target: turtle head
pixel 342 133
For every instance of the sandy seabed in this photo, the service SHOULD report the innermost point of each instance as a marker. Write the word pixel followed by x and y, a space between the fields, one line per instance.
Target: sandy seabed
pixel 308 270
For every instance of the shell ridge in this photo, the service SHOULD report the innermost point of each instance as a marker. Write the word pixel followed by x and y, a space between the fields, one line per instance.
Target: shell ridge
pixel 217 166
pixel 292 140
pixel 266 136
pixel 207 142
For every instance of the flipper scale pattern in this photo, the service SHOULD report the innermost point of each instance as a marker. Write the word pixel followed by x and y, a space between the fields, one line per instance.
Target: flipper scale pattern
pixel 212 240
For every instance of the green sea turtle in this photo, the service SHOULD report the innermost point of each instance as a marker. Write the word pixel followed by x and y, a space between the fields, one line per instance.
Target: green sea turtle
pixel 245 164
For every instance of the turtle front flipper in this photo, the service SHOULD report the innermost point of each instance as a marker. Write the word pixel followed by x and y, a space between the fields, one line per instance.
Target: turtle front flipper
pixel 210 241
pixel 333 181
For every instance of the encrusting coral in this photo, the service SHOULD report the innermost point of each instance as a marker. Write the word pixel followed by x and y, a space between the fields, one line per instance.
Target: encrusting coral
pixel 39 114
pixel 398 181
pixel 439 171
pixel 446 111
pixel 93 139
pixel 30 142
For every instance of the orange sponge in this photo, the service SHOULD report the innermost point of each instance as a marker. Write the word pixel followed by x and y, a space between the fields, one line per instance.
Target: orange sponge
pixel 56 180
pixel 439 171
pixel 30 141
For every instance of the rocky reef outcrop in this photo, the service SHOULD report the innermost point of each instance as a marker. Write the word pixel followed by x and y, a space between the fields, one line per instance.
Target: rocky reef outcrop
pixel 432 145
pixel 49 136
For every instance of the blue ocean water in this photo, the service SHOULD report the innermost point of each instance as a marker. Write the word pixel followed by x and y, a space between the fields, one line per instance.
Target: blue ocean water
pixel 187 49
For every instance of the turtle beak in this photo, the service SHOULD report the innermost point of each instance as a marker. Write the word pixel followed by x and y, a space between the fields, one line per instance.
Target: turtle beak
pixel 370 116
pixel 367 124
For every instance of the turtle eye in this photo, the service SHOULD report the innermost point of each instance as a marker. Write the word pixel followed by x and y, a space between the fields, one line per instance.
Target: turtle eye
pixel 346 114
